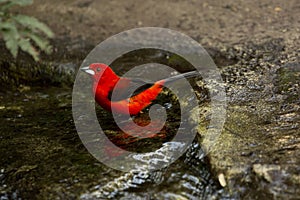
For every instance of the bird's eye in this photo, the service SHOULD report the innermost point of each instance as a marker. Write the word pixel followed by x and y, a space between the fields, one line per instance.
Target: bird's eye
pixel 98 69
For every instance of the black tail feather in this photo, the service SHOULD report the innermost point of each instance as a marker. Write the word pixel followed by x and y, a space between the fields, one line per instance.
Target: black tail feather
pixel 180 76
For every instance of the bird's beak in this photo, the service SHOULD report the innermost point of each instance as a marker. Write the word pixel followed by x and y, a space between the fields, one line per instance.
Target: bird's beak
pixel 88 70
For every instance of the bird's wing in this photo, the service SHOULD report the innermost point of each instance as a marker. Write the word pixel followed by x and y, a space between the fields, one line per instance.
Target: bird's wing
pixel 127 88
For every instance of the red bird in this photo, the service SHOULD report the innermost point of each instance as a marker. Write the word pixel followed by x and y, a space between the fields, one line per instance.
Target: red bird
pixel 125 96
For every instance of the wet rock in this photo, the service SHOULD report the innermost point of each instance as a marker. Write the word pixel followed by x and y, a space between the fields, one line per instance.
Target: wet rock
pixel 258 149
pixel 266 171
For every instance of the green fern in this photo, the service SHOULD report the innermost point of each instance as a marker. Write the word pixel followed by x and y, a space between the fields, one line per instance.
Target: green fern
pixel 22 31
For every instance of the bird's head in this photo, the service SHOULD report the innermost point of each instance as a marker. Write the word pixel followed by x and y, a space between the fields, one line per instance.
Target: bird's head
pixel 96 70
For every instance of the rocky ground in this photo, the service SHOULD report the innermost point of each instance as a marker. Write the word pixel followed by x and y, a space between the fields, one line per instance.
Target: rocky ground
pixel 254 43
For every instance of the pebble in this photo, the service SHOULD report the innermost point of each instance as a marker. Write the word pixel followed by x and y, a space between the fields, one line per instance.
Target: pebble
pixel 222 180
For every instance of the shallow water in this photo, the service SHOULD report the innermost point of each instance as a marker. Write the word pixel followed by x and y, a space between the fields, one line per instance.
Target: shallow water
pixel 42 156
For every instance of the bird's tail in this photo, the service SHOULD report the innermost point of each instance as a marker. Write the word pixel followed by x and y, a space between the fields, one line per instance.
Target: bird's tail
pixel 180 76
